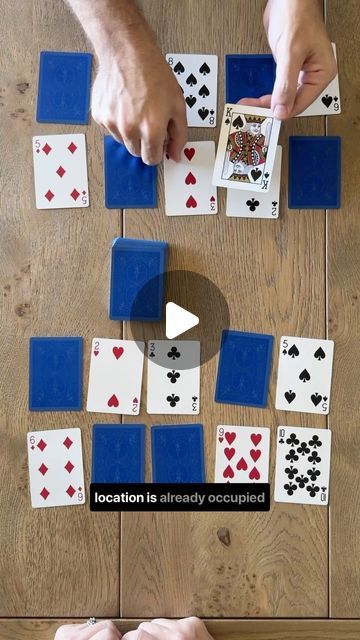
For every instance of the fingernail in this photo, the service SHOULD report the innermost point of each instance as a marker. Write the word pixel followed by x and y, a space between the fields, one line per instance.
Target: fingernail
pixel 280 111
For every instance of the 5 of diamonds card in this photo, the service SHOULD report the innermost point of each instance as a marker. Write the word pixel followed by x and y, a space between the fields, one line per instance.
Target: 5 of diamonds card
pixel 55 468
pixel 247 148
pixel 60 171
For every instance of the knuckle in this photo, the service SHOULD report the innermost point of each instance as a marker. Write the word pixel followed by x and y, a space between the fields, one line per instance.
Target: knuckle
pixel 128 129
pixel 143 626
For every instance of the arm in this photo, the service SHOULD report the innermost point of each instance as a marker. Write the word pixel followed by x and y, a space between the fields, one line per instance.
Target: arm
pixel 135 94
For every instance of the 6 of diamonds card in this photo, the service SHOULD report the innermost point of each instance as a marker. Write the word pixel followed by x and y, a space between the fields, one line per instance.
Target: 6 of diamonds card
pixel 247 148
pixel 55 468
pixel 188 186
pixel 60 171
pixel 304 375
pixel 302 465
pixel 242 454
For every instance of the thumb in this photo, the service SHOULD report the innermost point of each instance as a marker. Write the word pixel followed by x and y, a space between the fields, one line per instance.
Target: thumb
pixel 286 83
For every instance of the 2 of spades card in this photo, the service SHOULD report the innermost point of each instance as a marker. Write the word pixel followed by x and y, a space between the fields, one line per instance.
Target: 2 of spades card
pixel 247 148
pixel 197 77
pixel 302 465
pixel 304 375
pixel 242 454
pixel 173 381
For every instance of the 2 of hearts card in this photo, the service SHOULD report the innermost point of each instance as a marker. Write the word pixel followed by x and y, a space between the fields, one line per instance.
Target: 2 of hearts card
pixel 60 171
pixel 302 469
pixel 173 382
pixel 115 377
pixel 55 468
pixel 304 375
pixel 197 77
pixel 247 148
pixel 188 183
pixel 242 454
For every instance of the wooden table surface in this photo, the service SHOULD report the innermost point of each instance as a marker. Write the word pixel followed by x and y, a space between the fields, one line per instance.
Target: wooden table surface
pixel 298 275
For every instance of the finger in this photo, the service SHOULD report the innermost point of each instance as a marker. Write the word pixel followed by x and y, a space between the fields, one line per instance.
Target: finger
pixel 138 634
pixel 178 135
pixel 155 630
pixel 165 622
pixel 107 634
pixel 286 81
pixel 263 101
pixel 308 92
pixel 104 626
pixel 152 146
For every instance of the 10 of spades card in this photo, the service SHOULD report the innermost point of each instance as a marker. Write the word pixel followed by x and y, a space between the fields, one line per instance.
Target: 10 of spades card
pixel 55 468
pixel 242 454
pixel 247 148
pixel 302 465
pixel 304 375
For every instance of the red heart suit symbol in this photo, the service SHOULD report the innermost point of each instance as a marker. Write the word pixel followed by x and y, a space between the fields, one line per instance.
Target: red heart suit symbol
pixel 242 465
pixel 190 178
pixel 256 438
pixel 255 454
pixel 228 473
pixel 118 351
pixel 191 203
pixel 229 452
pixel 96 353
pixel 254 474
pixel 230 437
pixel 221 439
pixel 189 152
pixel 113 401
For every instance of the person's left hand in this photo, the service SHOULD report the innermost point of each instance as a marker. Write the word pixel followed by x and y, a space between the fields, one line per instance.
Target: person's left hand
pixel 303 53
pixel 103 630
pixel 162 629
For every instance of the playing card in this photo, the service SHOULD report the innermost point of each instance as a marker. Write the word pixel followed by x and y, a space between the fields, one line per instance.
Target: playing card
pixel 328 103
pixel 304 375
pixel 197 77
pixel 188 183
pixel 258 205
pixel 129 182
pixel 55 468
pixel 115 376
pixel 118 453
pixel 60 171
pixel 173 377
pixel 302 465
pixel 242 454
pixel 177 453
pixel 247 147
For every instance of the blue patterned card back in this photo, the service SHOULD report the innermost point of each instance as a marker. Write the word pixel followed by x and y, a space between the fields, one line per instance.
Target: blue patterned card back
pixel 177 453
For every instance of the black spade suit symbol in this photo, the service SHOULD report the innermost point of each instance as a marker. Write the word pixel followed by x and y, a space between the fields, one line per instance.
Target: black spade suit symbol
pixel 179 68
pixel 204 69
pixel 293 351
pixel 304 376
pixel 319 354
pixel 191 80
pixel 204 91
pixel 238 122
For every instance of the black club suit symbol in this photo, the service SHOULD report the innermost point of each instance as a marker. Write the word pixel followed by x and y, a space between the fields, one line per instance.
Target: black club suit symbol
pixel 173 400
pixel 173 353
pixel 173 376
pixel 252 204
pixel 290 488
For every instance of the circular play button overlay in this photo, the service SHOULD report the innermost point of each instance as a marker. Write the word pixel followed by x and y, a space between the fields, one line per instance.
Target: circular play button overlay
pixel 194 309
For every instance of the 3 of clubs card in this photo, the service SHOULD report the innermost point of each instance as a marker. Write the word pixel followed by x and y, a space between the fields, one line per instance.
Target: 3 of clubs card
pixel 244 204
pixel 60 171
pixel 304 375
pixel 302 465
pixel 115 377
pixel 247 148
pixel 173 383
pixel 55 468
pixel 242 454
pixel 197 77
pixel 188 183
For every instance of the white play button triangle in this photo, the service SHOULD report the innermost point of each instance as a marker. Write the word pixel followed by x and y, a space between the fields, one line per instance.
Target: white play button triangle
pixel 178 320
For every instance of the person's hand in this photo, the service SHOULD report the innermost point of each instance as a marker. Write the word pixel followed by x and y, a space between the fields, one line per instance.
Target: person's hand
pixel 303 53
pixel 139 101
pixel 162 629
pixel 104 630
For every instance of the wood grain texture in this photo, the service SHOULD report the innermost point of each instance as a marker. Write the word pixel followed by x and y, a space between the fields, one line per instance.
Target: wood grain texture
pixel 344 323
pixel 272 274
pixel 219 629
pixel 53 281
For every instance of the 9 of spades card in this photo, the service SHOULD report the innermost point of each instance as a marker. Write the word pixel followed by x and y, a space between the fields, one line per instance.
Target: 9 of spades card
pixel 247 148
pixel 302 467
pixel 173 382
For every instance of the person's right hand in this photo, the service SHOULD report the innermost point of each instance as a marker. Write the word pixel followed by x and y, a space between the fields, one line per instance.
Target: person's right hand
pixel 103 630
pixel 162 629
pixel 138 99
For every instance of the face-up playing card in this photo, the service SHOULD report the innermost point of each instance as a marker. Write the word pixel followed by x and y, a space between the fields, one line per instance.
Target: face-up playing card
pixel 55 468
pixel 115 376
pixel 247 147
pixel 328 103
pixel 197 77
pixel 241 204
pixel 60 171
pixel 242 454
pixel 304 375
pixel 302 465
pixel 173 377
pixel 188 183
